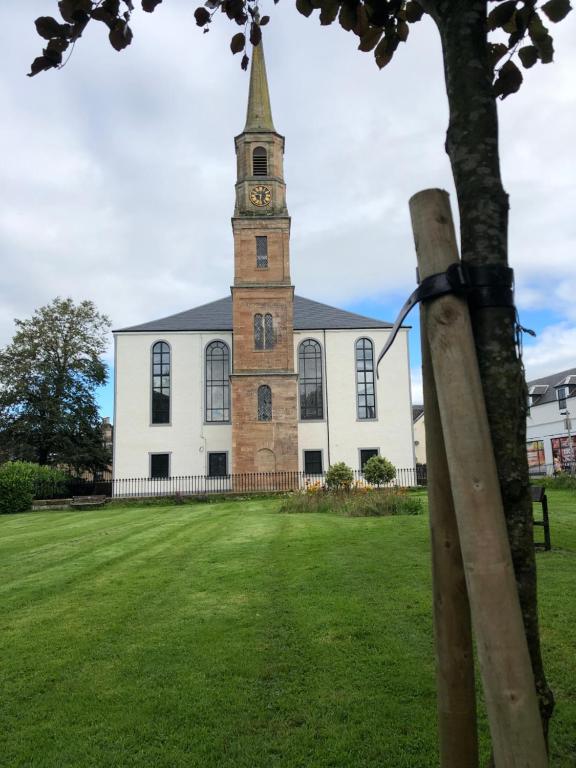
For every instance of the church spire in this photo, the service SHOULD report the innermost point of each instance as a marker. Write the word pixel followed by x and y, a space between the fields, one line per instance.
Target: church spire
pixel 259 113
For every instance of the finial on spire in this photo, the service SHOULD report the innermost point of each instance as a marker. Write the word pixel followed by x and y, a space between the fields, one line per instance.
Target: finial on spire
pixel 259 113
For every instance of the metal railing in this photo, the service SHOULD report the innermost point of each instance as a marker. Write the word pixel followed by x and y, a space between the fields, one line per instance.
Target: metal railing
pixel 203 485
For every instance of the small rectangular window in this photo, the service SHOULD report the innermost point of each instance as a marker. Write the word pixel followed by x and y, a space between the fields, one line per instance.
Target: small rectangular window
pixel 561 394
pixel 365 454
pixel 217 464
pixel 261 252
pixel 159 466
pixel 313 462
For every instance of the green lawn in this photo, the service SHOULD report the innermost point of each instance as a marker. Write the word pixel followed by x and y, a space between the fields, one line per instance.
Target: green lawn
pixel 228 635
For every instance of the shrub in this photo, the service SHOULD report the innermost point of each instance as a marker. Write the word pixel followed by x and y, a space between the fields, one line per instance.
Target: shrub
pixel 357 502
pixel 379 470
pixel 339 477
pixel 563 480
pixel 16 488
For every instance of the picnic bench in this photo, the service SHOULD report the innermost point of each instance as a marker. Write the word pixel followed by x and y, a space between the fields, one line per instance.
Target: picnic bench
pixel 539 496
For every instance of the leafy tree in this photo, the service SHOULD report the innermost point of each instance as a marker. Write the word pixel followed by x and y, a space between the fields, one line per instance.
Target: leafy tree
pixel 378 470
pixel 477 72
pixel 48 377
pixel 339 477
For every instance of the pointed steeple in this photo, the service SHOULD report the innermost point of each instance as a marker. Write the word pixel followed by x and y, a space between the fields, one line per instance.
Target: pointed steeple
pixel 259 113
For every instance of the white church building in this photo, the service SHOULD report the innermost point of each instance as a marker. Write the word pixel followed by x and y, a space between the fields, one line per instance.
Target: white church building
pixel 261 381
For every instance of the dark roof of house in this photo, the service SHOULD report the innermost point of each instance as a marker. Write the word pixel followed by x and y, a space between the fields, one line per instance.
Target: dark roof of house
pixel 540 397
pixel 417 411
pixel 217 316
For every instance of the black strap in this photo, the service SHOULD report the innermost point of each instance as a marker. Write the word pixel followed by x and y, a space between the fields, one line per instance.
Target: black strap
pixel 486 286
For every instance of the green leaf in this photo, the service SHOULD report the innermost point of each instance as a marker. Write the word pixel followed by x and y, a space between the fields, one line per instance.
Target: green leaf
pixel 528 55
pixel 370 39
pixel 304 7
pixel 244 62
pixel 255 33
pixel 501 14
pixel 150 5
pixel 264 20
pixel 556 10
pixel 48 27
pixel 402 30
pixel 508 81
pixel 329 11
pixel 541 38
pixel 347 16
pixel 495 52
pixel 383 53
pixel 120 36
pixel 74 10
pixel 413 12
pixel 238 43
pixel 202 16
pixel 40 64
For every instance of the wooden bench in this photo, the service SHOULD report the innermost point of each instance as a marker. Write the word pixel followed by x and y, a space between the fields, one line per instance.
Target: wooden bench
pixel 539 496
pixel 87 502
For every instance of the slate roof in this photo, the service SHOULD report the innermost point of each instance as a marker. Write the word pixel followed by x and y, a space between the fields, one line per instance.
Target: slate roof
pixel 417 411
pixel 217 316
pixel 551 381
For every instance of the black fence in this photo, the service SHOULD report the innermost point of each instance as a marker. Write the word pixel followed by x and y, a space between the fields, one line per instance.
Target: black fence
pixel 200 485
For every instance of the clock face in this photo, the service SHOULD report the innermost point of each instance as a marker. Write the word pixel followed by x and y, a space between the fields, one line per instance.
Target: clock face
pixel 260 195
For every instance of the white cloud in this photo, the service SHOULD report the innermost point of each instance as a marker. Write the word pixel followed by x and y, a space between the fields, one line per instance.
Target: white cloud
pixel 118 171
pixel 416 384
pixel 553 350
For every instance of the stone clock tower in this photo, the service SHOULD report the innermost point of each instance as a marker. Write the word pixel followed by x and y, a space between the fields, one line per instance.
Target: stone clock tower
pixel 263 381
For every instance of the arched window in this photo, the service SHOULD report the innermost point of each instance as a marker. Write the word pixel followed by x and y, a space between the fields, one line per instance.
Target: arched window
pixel 160 383
pixel 264 403
pixel 259 162
pixel 264 336
pixel 365 392
pixel 310 380
pixel 258 332
pixel 269 339
pixel 217 382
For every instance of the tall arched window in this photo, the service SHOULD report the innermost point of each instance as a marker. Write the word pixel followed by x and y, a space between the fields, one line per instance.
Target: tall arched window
pixel 365 392
pixel 269 339
pixel 258 332
pixel 160 383
pixel 310 380
pixel 264 336
pixel 259 162
pixel 217 382
pixel 264 403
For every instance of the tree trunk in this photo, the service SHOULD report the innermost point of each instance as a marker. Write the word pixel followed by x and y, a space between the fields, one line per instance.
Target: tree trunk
pixel 472 145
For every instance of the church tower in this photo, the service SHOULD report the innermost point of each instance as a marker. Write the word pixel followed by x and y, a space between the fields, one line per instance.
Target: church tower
pixel 263 380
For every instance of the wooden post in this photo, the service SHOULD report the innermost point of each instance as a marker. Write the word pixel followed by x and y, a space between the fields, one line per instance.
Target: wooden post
pixel 456 692
pixel 508 682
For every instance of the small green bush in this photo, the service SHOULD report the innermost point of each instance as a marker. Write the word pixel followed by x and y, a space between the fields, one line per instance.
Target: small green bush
pixel 339 477
pixel 561 481
pixel 358 502
pixel 16 488
pixel 379 470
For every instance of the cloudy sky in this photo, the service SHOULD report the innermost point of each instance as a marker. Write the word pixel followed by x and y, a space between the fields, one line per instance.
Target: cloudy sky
pixel 117 172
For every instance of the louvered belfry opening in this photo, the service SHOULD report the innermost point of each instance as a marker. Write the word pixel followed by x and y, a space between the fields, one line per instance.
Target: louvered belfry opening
pixel 259 162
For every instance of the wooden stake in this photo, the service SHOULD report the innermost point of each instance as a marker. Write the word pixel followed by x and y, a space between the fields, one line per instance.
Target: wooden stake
pixel 508 682
pixel 452 628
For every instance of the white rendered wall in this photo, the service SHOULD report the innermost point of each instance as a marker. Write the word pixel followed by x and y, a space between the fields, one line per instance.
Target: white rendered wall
pixel 187 438
pixel 341 435
pixel 420 440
